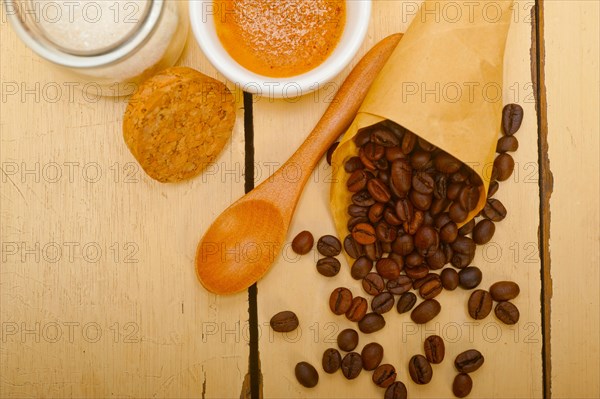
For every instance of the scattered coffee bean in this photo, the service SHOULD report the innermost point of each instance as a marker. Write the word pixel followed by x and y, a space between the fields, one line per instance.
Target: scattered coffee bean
pixel 330 151
pixel 507 313
pixel 469 277
pixel 400 285
pixel 432 287
pixel 467 228
pixel 328 266
pixel 371 323
pixel 462 385
pixel 303 242
pixel 332 360
pixel 353 249
pixel 504 164
pixel 420 370
pixel 406 302
pixel 396 391
pixel 493 189
pixel 285 321
pixel 340 300
pixel 351 365
pixel 512 116
pixel 468 361
pixel 364 234
pixel 483 231
pixel 384 375
pixel 361 267
pixel 464 252
pixel 358 309
pixel 504 291
pixel 507 144
pixel 449 279
pixel 329 245
pixel 371 355
pixel 387 268
pixel 494 210
pixel 434 349
pixel 373 284
pixel 347 340
pixel 480 304
pixel 306 374
pixel 425 311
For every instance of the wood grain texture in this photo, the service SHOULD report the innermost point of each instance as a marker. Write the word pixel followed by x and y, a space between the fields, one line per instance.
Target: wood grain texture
pixel 512 353
pixel 573 83
pixel 122 314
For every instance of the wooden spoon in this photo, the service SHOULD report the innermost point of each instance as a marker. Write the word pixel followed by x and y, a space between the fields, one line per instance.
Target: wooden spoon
pixel 244 241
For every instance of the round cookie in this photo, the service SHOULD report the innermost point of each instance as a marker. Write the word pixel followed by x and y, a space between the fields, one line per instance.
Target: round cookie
pixel 178 122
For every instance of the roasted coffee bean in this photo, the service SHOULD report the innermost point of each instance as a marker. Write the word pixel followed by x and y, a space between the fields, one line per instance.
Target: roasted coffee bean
pixel 373 251
pixel 363 136
pixel 396 391
pixel 440 189
pixel 371 355
pixel 449 232
pixel 446 163
pixel 357 181
pixel 480 304
pixel 483 231
pixel 405 210
pixel 401 175
pixel 462 385
pixel 470 277
pixel 464 252
pixel 419 159
pixel 390 217
pixel 329 245
pixel 449 279
pixel 512 116
pixel 340 300
pixel 453 190
pixel 507 313
pixel 358 309
pixel 435 350
pixel 330 151
pixel 494 210
pixel 431 288
pixel 448 251
pixel 386 247
pixel 394 153
pixel 399 285
pixel 469 197
pixel 364 233
pixel 303 242
pixel 384 375
pixel 285 321
pixel 361 267
pixel 385 233
pixel 373 284
pixel 468 361
pixel 408 142
pixel 355 210
pixel 438 206
pixel 373 152
pixel 504 164
pixel 457 213
pixel 423 183
pixel 353 221
pixel 384 137
pixel 420 201
pixel 427 219
pixel 427 240
pixel 493 189
pixel 459 177
pixel 417 272
pixel 426 145
pixel 406 302
pixel 420 370
pixel 425 311
pixel 467 228
pixel 371 323
pixel 362 198
pixel 351 365
pixel 332 360
pixel 387 268
pixel 403 245
pixel 414 259
pixel 306 374
pixel 382 303
pixel 375 212
pixel 504 290
pixel 379 190
pixel 419 282
pixel 353 164
pixel 364 159
pixel 347 340
pixel 507 144
pixel 437 260
pixel 412 227
pixel 328 266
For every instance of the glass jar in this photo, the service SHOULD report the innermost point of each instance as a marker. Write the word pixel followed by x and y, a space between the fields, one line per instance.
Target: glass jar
pixel 109 45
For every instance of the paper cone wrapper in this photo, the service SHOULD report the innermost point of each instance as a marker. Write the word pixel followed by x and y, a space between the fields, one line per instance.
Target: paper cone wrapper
pixel 444 83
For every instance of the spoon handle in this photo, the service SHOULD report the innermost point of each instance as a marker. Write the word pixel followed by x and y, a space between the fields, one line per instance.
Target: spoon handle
pixel 335 121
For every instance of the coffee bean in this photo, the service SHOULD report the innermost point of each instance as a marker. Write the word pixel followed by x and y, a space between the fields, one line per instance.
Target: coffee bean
pixel 427 240
pixel 351 365
pixel 384 137
pixel 362 198
pixel 417 272
pixel 285 321
pixel 449 232
pixel 480 304
pixel 353 249
pixel 434 349
pixel 512 116
pixel 373 284
pixel 468 361
pixel 379 190
pixel 353 164
pixel 374 251
pixel 507 313
pixel 396 391
pixel 493 189
pixel 330 151
pixel 446 163
pixel 357 181
pixel 328 266
pixel 464 252
pixel 457 213
pixel 414 259
pixel 504 290
pixel 329 246
pixel 384 375
pixel 403 245
pixel 417 221
pixel 483 231
pixel 423 183
pixel 371 355
pixel 303 242
pixel 425 311
pixel 363 136
pixel 449 279
pixel 419 159
pixel 375 212
pixel 437 260
pixel 358 309
pixel 494 210
pixel 504 164
pixel 405 210
pixel 306 374
pixel 439 205
pixel 401 176
pixel 408 142
pixel 470 277
pixel 507 144
pixel 390 217
pixel 387 268
pixel 420 370
pixel 469 197
pixel 382 303
pixel 394 153
pixel 431 288
pixel 366 159
pixel 332 360
pixel 361 267
pixel 462 385
pixel 420 201
pixel 399 285
pixel 371 323
pixel 347 340
pixel 364 233
pixel 356 210
pixel 453 190
pixel 340 300
pixel 385 233
pixel 467 228
pixel 373 152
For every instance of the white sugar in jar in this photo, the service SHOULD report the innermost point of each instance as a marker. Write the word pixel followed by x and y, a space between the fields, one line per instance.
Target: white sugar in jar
pixel 111 45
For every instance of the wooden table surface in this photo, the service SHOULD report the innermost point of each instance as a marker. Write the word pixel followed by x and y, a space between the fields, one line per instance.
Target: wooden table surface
pixel 98 294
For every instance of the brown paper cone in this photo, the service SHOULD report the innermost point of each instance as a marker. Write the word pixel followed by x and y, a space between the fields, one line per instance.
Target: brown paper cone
pixel 444 83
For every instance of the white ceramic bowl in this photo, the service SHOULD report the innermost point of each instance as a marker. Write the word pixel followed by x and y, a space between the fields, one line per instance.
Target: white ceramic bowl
pixel 358 13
